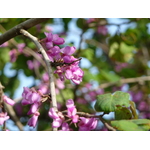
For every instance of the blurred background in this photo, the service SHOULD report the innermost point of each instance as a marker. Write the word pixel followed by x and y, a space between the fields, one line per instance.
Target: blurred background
pixel 115 56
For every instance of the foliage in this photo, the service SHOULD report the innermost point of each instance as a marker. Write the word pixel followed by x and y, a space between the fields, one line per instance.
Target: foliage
pixel 114 68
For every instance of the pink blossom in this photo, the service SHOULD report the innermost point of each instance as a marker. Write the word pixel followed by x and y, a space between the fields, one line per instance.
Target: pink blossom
pixel 87 124
pixel 4 44
pixel 60 84
pixel 57 118
pixel 20 47
pixel 52 113
pixel 75 74
pixel 30 96
pixel 34 108
pixel 30 64
pixel 48 28
pixel 33 120
pixel 90 20
pixel 57 123
pixel 57 40
pixel 3 117
pixel 68 65
pixel 54 53
pixel 65 127
pixel 43 88
pixel 33 64
pixel 71 110
pixel 68 50
pixel 13 55
pixel 53 39
pixel 8 100
pixel 45 77
pixel 102 30
pixel 143 106
pixel 81 101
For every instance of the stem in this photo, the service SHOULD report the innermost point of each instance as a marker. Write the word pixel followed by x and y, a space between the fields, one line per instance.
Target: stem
pixel 14 117
pixel 109 127
pixel 16 30
pixel 124 81
pixel 48 63
pixel 2 105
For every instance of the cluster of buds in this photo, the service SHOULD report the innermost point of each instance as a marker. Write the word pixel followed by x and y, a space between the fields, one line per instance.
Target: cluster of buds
pixel 35 99
pixel 60 120
pixel 66 64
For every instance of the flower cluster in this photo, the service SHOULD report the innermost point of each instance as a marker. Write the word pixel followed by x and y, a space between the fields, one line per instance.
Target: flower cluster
pixel 66 64
pixel 59 120
pixel 3 115
pixel 32 97
pixel 88 93
pixel 14 52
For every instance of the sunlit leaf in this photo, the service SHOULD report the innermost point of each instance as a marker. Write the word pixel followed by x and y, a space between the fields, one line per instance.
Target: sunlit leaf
pixel 108 102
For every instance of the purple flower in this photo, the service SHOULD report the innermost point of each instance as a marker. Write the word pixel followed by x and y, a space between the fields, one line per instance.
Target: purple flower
pixel 4 44
pixel 58 118
pixel 68 50
pixel 143 106
pixel 60 84
pixel 65 127
pixel 75 74
pixel 57 40
pixel 68 65
pixel 20 47
pixel 30 96
pixel 52 113
pixel 8 100
pixel 53 39
pixel 54 53
pixel 34 108
pixel 33 64
pixel 71 110
pixel 3 117
pixel 33 120
pixel 102 30
pixel 57 123
pixel 13 55
pixel 45 77
pixel 87 124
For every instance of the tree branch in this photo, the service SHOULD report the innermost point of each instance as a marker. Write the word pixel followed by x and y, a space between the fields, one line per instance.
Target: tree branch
pixel 16 30
pixel 128 80
pixel 48 63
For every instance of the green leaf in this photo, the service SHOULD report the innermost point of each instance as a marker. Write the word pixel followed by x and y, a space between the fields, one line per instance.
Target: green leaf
pixel 125 125
pixel 108 76
pixel 122 113
pixel 88 53
pixel 121 52
pixel 133 109
pixel 108 102
pixel 4 57
pixel 132 125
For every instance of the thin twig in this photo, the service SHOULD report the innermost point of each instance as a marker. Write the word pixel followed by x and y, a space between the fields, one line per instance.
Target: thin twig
pixel 7 108
pixel 2 104
pixel 16 30
pixel 48 63
pixel 109 127
pixel 124 81
pixel 14 117
pixel 110 24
